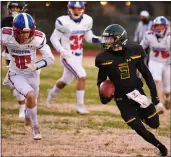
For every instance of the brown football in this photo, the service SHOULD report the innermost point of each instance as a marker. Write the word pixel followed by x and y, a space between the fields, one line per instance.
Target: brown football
pixel 107 88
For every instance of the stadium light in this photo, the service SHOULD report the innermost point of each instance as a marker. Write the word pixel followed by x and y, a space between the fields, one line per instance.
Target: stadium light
pixel 48 4
pixel 103 3
pixel 128 3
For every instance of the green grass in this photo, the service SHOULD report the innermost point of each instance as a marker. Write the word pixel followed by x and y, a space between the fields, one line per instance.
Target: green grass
pixel 95 120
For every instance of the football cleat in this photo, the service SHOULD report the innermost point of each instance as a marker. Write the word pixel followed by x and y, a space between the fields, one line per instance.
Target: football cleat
pixel 82 109
pixel 36 132
pixel 163 150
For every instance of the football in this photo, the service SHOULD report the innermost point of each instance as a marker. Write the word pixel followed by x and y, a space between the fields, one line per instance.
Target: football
pixel 107 88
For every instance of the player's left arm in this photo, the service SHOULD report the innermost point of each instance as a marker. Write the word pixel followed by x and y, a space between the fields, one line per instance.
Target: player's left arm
pixel 147 76
pixel 47 59
pixel 89 36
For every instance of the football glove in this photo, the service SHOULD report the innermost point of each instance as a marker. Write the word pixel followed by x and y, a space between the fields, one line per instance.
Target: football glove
pixel 66 53
pixel 32 67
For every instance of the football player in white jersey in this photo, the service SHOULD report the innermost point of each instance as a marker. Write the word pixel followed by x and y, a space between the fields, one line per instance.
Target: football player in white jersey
pixel 22 40
pixel 159 42
pixel 67 38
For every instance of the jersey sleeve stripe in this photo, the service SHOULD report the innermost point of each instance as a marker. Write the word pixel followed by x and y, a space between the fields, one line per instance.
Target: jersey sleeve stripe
pixel 59 22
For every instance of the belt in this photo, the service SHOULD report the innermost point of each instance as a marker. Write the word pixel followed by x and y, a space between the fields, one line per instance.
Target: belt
pixel 77 54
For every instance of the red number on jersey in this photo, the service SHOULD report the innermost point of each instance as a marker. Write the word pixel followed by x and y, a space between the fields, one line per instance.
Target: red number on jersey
pixel 21 61
pixel 164 54
pixel 77 42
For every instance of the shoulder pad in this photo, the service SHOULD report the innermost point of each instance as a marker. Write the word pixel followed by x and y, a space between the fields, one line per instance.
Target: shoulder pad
pixel 7 30
pixel 61 22
pixel 6 34
pixel 39 34
pixel 135 51
pixel 40 39
pixel 99 59
pixel 88 20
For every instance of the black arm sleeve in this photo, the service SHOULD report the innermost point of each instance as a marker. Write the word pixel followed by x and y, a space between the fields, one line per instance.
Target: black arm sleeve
pixel 148 79
pixel 7 22
pixel 102 76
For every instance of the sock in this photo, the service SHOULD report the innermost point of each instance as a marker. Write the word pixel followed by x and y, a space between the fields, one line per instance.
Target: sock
pixel 33 115
pixel 80 97
pixel 55 90
pixel 22 108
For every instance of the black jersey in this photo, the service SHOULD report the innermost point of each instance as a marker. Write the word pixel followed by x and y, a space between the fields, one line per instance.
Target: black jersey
pixel 121 68
pixel 7 21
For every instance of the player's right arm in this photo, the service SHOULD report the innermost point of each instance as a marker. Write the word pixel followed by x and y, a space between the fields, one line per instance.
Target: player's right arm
pixel 136 33
pixel 56 36
pixel 145 42
pixel 102 76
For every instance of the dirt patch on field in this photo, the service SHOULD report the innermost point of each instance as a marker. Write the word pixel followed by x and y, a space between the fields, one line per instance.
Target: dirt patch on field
pixel 72 138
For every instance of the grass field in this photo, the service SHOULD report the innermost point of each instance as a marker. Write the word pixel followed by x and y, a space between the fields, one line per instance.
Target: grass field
pixel 66 133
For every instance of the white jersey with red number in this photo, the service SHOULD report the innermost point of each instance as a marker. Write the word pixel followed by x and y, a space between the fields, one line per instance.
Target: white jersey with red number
pixel 22 54
pixel 70 35
pixel 160 48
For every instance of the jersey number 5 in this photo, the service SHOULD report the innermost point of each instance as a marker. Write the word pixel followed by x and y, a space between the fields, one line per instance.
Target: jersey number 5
pixel 124 70
pixel 21 61
pixel 77 42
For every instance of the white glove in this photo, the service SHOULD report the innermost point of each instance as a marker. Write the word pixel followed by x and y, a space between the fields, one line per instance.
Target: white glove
pixel 66 53
pixel 139 98
pixel 6 55
pixel 32 67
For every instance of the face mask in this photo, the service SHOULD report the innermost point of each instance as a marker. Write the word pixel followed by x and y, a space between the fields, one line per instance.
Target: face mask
pixel 14 14
pixel 145 21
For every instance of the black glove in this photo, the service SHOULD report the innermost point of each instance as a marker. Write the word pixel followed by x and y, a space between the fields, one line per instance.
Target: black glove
pixel 155 100
pixel 105 100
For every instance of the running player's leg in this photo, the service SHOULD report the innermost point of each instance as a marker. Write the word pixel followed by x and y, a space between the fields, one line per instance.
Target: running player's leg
pixel 131 117
pixel 166 86
pixel 26 90
pixel 75 67
pixel 157 76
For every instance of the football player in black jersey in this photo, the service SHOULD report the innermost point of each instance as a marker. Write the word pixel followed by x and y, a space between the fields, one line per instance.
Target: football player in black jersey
pixel 119 61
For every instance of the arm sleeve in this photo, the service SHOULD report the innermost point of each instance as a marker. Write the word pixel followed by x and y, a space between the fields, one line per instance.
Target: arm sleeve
pixel 145 43
pixel 56 36
pixel 89 36
pixel 136 34
pixel 148 78
pixel 102 76
pixel 48 57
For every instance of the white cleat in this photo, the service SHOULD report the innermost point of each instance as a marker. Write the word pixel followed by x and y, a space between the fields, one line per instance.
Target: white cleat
pixel 49 98
pixel 21 115
pixel 82 110
pixel 160 108
pixel 36 132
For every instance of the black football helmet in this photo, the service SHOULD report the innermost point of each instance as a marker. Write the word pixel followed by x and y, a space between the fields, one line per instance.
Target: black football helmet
pixel 114 36
pixel 19 4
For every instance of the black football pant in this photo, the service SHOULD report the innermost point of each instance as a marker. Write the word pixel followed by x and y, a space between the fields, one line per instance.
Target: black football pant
pixel 134 116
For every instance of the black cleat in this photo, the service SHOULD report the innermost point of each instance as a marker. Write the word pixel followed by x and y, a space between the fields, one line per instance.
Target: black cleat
pixel 163 150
